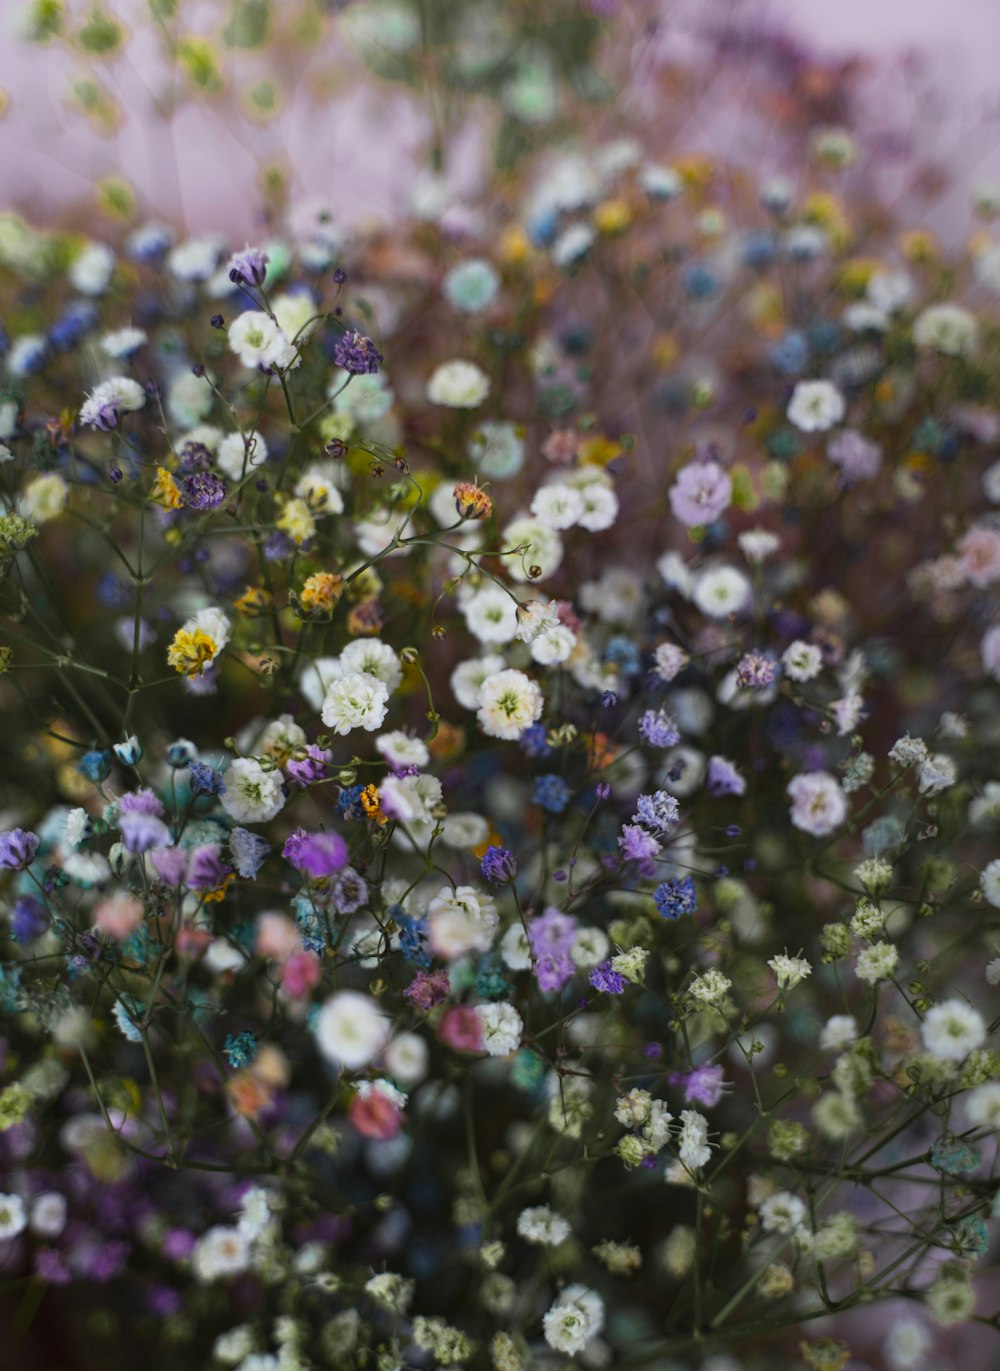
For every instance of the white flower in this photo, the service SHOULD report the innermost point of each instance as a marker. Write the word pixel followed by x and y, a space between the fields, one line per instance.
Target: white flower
pixel 319 487
pixel 508 703
pixel 220 1252
pixel 458 385
pixel 252 795
pixel 255 1212
pixel 357 700
pixel 557 505
pixel 989 883
pixel 693 1148
pixel 190 398
pixel 258 341
pixel 351 1029
pixel 948 328
pixel 48 1214
pixel 123 342
pixel 461 920
pixel 782 1213
pixel 553 646
pixel 514 949
pixel 543 1226
pixel 90 271
pixel 756 544
pixel 13 1218
pixel 802 661
pixel 238 455
pixel 590 946
pixel 213 622
pixel 406 1058
pixel 26 355
pixel 907 751
pixel 906 1344
pixel 573 243
pixel 789 971
pixel 952 1030
pixel 491 615
pixel 815 406
pixel 120 392
pixel 502 1026
pixel 316 678
pixel 937 773
pixel 399 749
pixel 838 1032
pixel 876 963
pixel 819 805
pixel 720 591
pixel 574 1320
pixel 464 830
pixel 710 988
pixel 375 658
pixel 536 547
pixel 468 678
pixel 44 497
pixel 982 1106
pixel 195 259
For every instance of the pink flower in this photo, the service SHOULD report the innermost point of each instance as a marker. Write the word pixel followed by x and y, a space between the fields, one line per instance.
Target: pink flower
pixel 277 937
pixel 118 916
pixel 300 974
pixel 980 553
pixel 819 806
pixel 376 1110
pixel 461 1028
pixel 701 492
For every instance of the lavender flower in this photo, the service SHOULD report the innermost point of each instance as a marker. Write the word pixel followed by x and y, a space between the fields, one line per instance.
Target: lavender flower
pixel 17 849
pixel 605 978
pixel 658 728
pixel 315 854
pixel 249 267
pixel 498 866
pixel 203 490
pixel 249 852
pixel 357 354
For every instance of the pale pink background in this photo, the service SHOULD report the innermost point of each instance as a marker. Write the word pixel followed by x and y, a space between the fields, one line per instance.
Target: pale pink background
pixel 359 151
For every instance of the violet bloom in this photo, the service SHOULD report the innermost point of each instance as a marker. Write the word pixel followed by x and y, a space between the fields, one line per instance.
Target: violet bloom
pixel 17 849
pixel 207 870
pixel 315 854
pixel 605 978
pixel 658 812
pixel 858 457
pixel 312 767
pixel 348 891
pixel 249 267
pixel 723 778
pixel 139 821
pixel 700 493
pixel 553 970
pixel 756 671
pixel 357 354
pixel 551 933
pixel 28 919
pixel 499 865
pixel 658 728
pixel 203 490
pixel 706 1085
pixel 171 864
pixel 638 846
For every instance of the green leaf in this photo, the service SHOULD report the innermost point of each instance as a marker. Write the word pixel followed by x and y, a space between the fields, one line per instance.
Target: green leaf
pixel 248 26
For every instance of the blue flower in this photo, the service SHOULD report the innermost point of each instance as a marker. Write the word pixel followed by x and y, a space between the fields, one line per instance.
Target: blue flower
pixel 205 780
pixel 249 852
pixel 96 766
pixel 551 793
pixel 241 1049
pixel 126 1012
pixel 676 897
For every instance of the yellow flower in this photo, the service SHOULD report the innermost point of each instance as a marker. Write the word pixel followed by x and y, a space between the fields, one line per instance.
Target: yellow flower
pixel 612 216
pixel 297 521
pixel 189 652
pixel 166 491
pixel 255 600
pixel 322 591
pixel 371 803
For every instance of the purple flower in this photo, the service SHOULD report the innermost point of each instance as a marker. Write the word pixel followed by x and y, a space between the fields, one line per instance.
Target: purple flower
pixel 28 919
pixel 701 492
pixel 348 891
pixel 203 490
pixel 205 780
pixel 756 671
pixel 312 767
pixel 143 832
pixel 858 457
pixel 605 978
pixel 723 778
pixel 357 354
pixel 499 865
pixel 706 1085
pixel 553 970
pixel 249 852
pixel 249 267
pixel 637 845
pixel 17 849
pixel 658 728
pixel 315 854
pixel 50 1266
pixel 207 870
pixel 676 897
pixel 171 864
pixel 551 933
